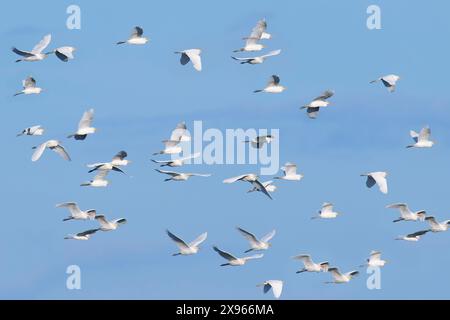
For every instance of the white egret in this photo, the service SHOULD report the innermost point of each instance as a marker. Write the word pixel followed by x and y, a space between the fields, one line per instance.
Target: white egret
pixel 65 53
pixel 84 126
pixel 378 178
pixel 275 285
pixel 312 108
pixel 29 87
pixel 187 248
pixel 326 212
pixel 310 266
pixel 258 33
pixel 290 172
pixel 422 139
pixel 106 225
pixel 413 237
pixel 259 141
pixel 192 55
pixel 273 86
pixel 76 213
pixel 389 81
pixel 375 260
pixel 255 243
pixel 117 161
pixel 234 261
pixel 270 187
pixel 136 38
pixel 406 214
pixel 437 226
pixel 252 179
pixel 36 53
pixel 98 181
pixel 339 277
pixel 32 131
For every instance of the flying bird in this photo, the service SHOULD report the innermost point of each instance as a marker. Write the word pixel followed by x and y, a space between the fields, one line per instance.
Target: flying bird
pixel 255 243
pixel 268 185
pixel 232 260
pixel 389 81
pixel 192 55
pixel 290 172
pixel 259 59
pixel 310 265
pixel 258 33
pixel 422 139
pixel 413 237
pixel 36 53
pixel 178 176
pixel 252 179
pixel 374 260
pixel 437 226
pixel 32 131
pixel 29 87
pixel 378 178
pixel 85 235
pixel 53 145
pixel 76 213
pixel 98 181
pixel 65 53
pixel 180 133
pixel 176 162
pixel 136 37
pixel 84 126
pixel 326 212
pixel 106 225
pixel 187 248
pixel 406 214
pixel 275 285
pixel 339 277
pixel 260 141
pixel 273 86
pixel 170 147
pixel 312 108
pixel 117 161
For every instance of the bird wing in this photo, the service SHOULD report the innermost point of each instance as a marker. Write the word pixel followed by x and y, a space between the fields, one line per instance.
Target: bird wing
pixel 402 207
pixel 272 53
pixel 29 82
pixel 224 254
pixel 312 112
pixel 380 179
pixel 22 53
pixel 306 259
pixel 39 151
pixel 327 208
pixel 417 234
pixel 277 287
pixel 375 256
pixel 59 149
pixel 260 187
pixel 178 132
pixel 198 240
pixel 87 232
pixel 335 273
pixel 268 236
pixel 234 179
pixel 86 119
pixel 137 32
pixel 249 236
pixel 194 55
pixel 179 242
pixel 325 95
pixel 101 175
pixel 257 31
pixel 432 221
pixel 290 169
pixel 65 53
pixel 72 206
pixel 170 173
pixel 102 220
pixel 120 155
pixel 42 44
pixel 414 135
pixel 425 134
pixel 274 80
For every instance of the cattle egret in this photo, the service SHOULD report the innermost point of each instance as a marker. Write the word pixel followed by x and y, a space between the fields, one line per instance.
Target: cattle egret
pixel 36 53
pixel 259 59
pixel 232 260
pixel 85 235
pixel 375 260
pixel 176 162
pixel 290 172
pixel 253 180
pixel 98 181
pixel 76 213
pixel 310 265
pixel 414 237
pixel 32 131
pixel 52 145
pixel 406 214
pixel 275 285
pixel 312 108
pixel 178 176
pixel 378 178
pixel 338 277
pixel 191 55
pixel 29 87
pixel 270 187
pixel 437 226
pixel 258 33
pixel 136 37
pixel 187 248
pixel 326 212
pixel 84 126
pixel 389 81
pixel 259 141
pixel 422 139
pixel 255 243
pixel 273 86
pixel 106 225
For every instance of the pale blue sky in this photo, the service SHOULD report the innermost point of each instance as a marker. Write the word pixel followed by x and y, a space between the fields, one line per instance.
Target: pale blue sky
pixel 141 93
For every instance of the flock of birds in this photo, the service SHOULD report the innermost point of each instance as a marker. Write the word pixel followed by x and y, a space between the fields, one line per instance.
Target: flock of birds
pixel 180 134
